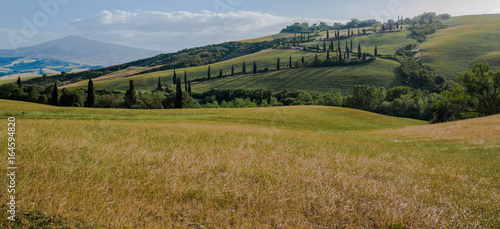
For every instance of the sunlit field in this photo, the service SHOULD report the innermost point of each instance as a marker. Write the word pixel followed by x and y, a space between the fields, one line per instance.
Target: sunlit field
pixel 283 167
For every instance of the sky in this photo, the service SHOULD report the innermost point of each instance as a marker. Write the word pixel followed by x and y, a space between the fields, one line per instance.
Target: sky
pixel 169 26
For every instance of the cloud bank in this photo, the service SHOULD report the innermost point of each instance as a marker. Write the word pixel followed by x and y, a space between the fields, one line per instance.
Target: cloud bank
pixel 164 31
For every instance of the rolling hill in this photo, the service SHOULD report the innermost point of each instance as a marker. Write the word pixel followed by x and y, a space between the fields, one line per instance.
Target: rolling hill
pixel 79 50
pixel 468 38
pixel 444 51
pixel 215 168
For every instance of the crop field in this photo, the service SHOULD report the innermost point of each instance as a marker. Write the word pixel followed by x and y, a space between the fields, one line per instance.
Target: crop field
pixel 381 73
pixel 299 167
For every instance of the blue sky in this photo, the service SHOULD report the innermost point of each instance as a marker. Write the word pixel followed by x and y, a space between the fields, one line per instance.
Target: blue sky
pixel 173 25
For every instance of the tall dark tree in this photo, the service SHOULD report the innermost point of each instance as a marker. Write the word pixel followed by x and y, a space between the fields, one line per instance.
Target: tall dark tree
pixel 209 74
pixel 220 76
pixel 232 70
pixel 359 50
pixel 55 96
pixel 316 57
pixel 352 50
pixel 90 95
pixel 254 67
pixel 290 62
pixel 364 56
pixel 130 95
pixel 303 59
pixel 278 64
pixel 327 34
pixel 159 88
pixel 375 52
pixel 189 89
pixel 244 67
pixel 331 46
pixel 347 51
pixel 174 80
pixel 185 80
pixel 328 55
pixel 324 46
pixel 178 96
pixel 19 82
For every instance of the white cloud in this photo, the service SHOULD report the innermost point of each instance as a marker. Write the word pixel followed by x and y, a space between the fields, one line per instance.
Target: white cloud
pixel 176 30
pixel 496 11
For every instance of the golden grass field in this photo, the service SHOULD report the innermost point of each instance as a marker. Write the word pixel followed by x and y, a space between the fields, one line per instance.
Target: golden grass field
pixel 283 167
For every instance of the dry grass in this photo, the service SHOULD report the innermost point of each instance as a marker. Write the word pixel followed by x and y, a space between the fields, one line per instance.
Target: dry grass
pixel 237 173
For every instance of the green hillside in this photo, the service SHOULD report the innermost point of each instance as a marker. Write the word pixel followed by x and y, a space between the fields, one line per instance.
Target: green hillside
pixel 302 167
pixel 468 38
pixel 326 79
pixel 380 73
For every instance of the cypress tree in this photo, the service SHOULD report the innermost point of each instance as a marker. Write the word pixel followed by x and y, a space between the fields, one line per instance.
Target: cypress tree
pixel 278 64
pixel 244 71
pixel 324 46
pixel 189 89
pixel 364 56
pixel 316 57
pixel 290 62
pixel 90 94
pixel 327 34
pixel 159 84
pixel 178 95
pixel 232 70
pixel 376 51
pixel 209 74
pixel 331 45
pixel 19 82
pixel 358 31
pixel 254 67
pixel 359 50
pixel 352 50
pixel 328 55
pixel 175 78
pixel 303 60
pixel 55 96
pixel 220 76
pixel 185 80
pixel 130 97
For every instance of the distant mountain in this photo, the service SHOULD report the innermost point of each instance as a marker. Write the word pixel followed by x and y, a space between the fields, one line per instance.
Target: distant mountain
pixel 80 50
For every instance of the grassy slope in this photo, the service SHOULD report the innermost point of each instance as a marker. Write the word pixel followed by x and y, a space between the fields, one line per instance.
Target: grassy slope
pixel 468 38
pixel 379 73
pixel 387 43
pixel 295 167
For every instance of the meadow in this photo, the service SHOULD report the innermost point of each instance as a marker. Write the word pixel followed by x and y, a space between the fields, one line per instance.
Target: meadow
pixel 288 167
pixel 467 38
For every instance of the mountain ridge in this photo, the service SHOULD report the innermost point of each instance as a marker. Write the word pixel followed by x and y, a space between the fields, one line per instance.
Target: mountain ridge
pixel 76 49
